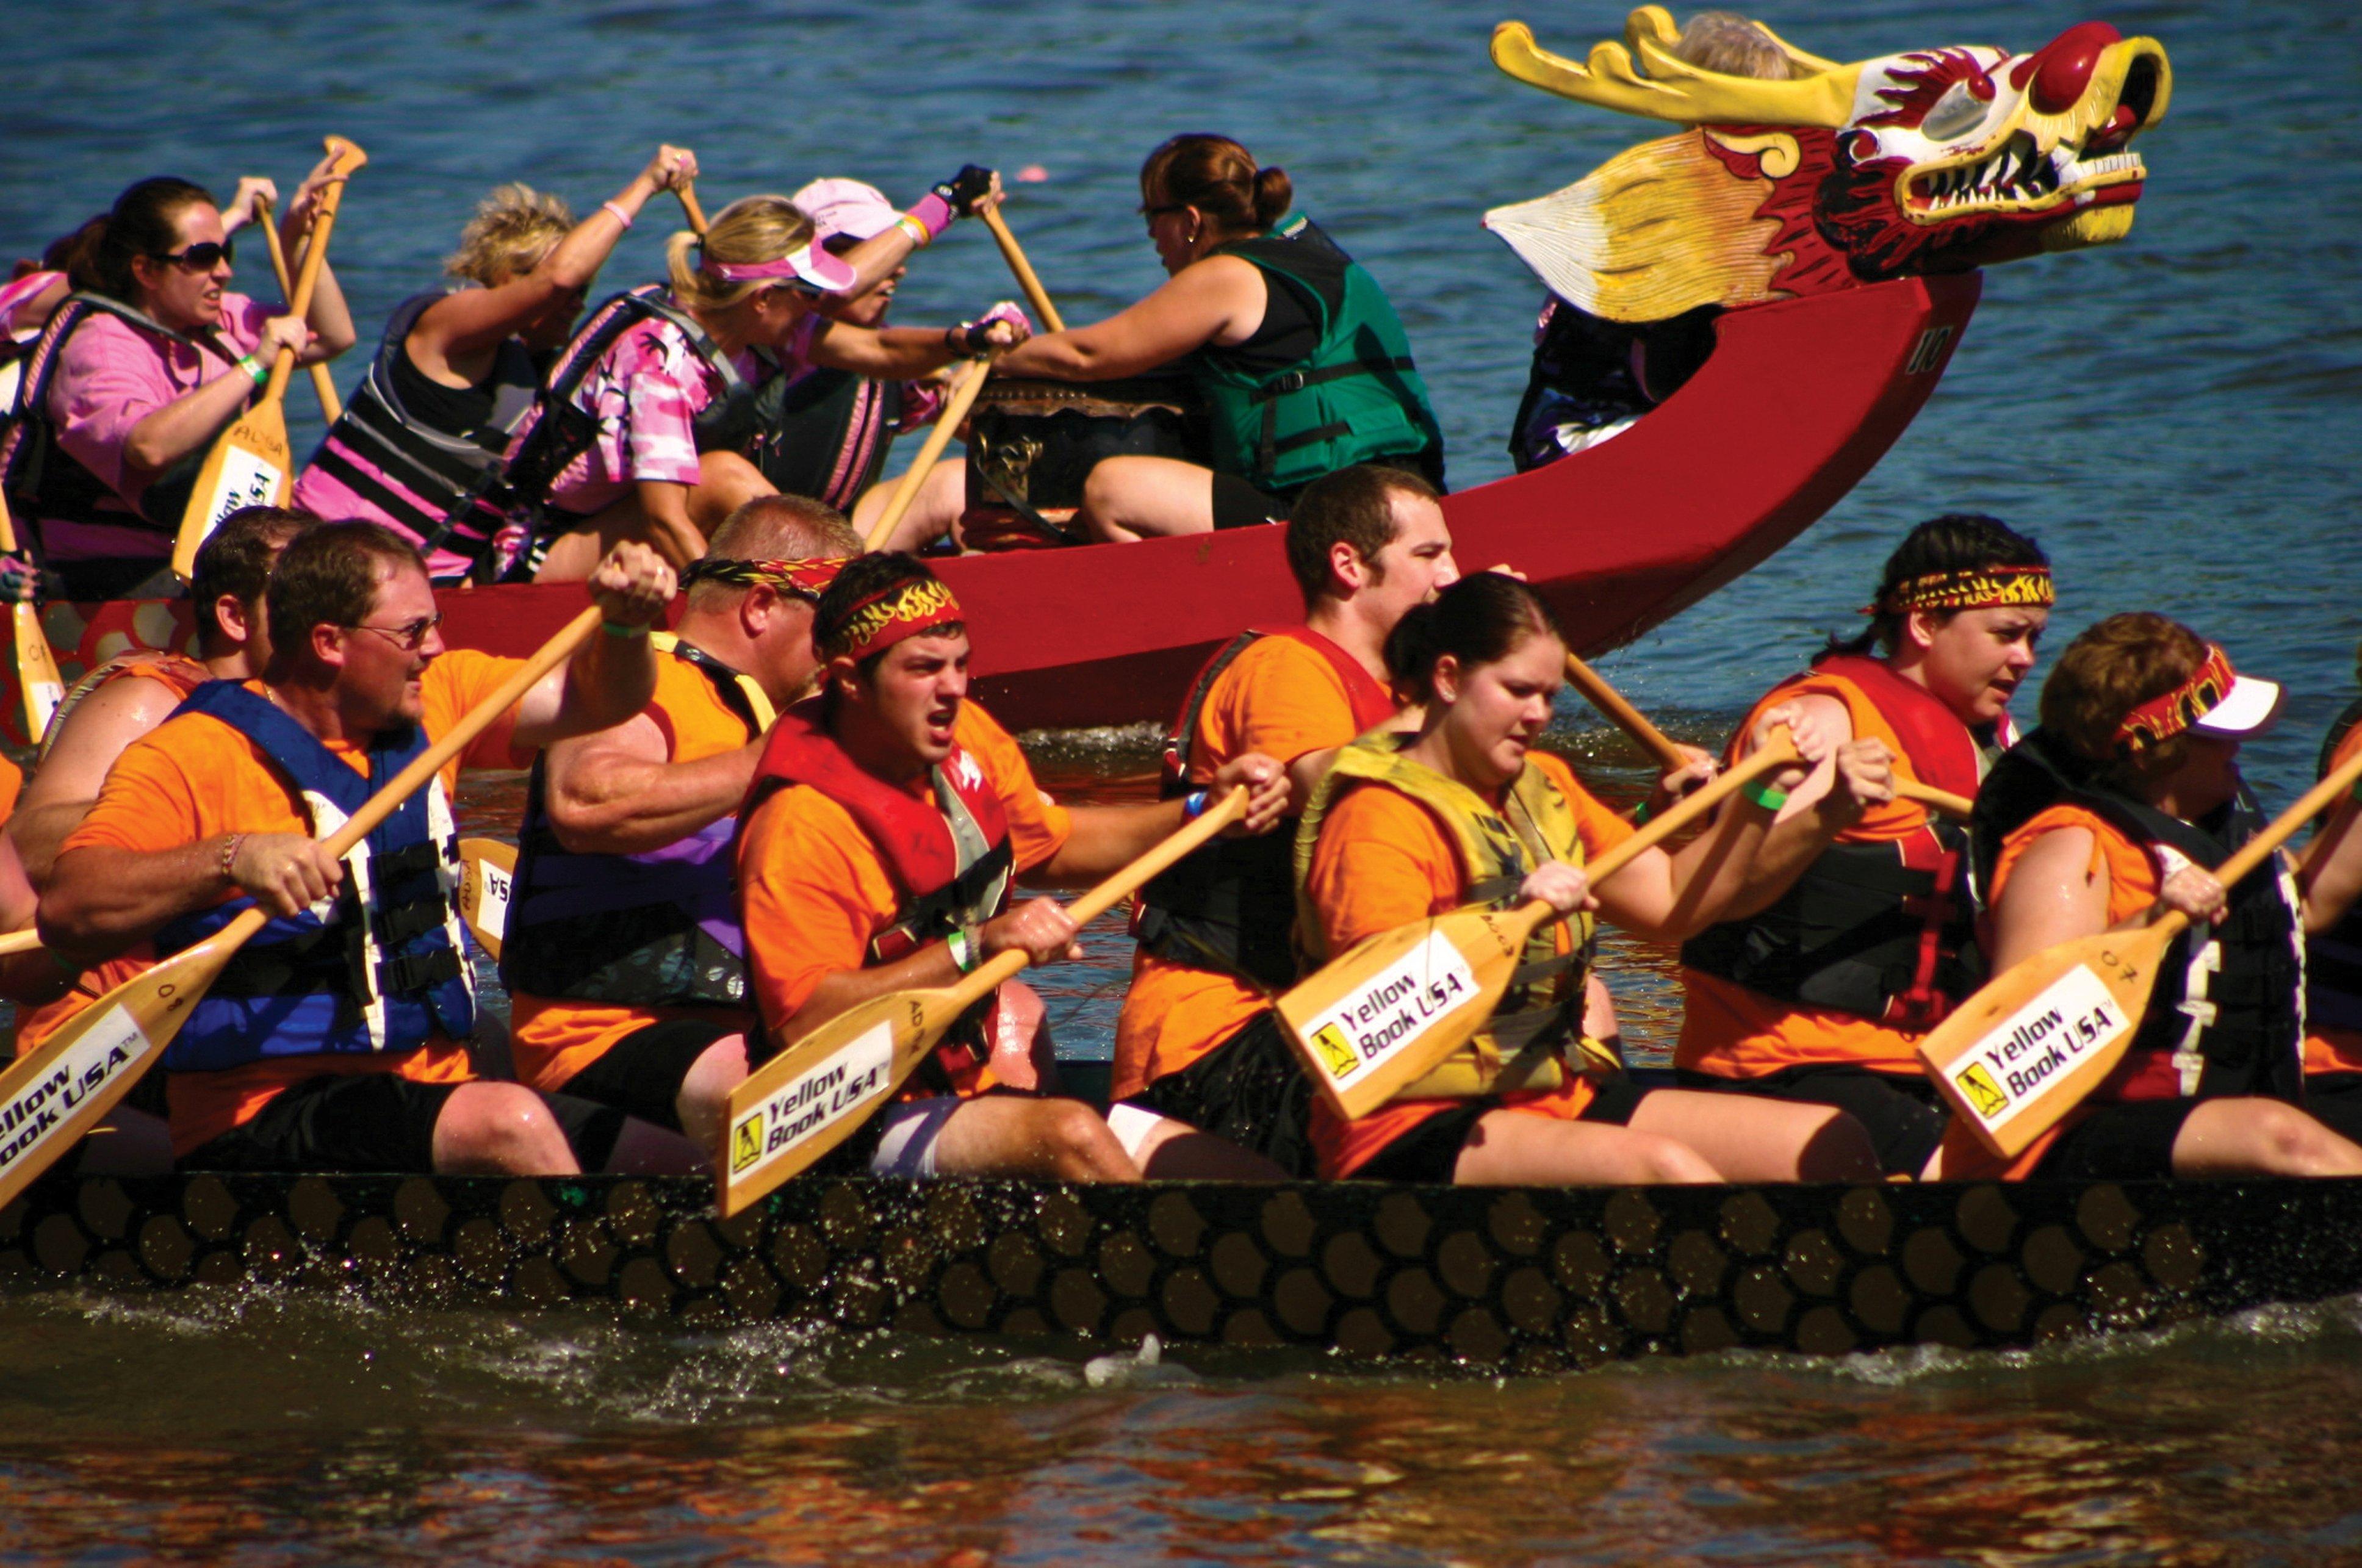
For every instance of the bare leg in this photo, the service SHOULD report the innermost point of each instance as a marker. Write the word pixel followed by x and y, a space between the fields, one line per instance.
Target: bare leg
pixel 725 481
pixel 492 1129
pixel 2259 1137
pixel 1514 1148
pixel 1135 498
pixel 704 1098
pixel 1063 1140
pixel 1175 1150
pixel 1754 1138
pixel 644 1149
pixel 942 496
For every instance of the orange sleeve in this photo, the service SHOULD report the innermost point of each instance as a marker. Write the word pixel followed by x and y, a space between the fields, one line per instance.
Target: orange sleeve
pixel 1278 698
pixel 1599 827
pixel 149 803
pixel 814 893
pixel 1381 862
pixel 453 685
pixel 2133 881
pixel 12 784
pixel 1038 826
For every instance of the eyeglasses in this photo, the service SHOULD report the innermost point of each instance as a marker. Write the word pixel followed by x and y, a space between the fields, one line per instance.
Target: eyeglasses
pixel 409 637
pixel 1150 214
pixel 201 258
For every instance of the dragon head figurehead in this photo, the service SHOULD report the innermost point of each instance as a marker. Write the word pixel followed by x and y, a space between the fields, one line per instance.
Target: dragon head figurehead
pixel 1933 162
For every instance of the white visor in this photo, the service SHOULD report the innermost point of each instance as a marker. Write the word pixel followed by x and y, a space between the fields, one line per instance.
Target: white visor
pixel 2249 708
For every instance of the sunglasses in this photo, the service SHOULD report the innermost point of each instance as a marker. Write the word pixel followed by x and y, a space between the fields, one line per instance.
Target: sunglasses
pixel 201 258
pixel 409 637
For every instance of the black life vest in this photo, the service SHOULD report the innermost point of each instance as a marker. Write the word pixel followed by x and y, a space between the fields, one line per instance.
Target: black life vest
pixel 1229 907
pixel 1883 928
pixel 2227 1015
pixel 440 487
pixel 2332 989
pixel 825 434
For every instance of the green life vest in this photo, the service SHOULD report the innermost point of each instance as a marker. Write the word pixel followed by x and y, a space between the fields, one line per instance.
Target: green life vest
pixel 1355 397
pixel 1540 1018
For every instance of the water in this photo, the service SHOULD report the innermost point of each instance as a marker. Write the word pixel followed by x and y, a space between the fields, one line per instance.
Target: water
pixel 2175 417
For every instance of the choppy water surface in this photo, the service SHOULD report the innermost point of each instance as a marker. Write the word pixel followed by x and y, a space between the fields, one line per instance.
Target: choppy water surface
pixel 2176 418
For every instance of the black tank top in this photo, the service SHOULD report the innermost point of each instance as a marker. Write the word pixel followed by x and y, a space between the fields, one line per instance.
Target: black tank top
pixel 443 408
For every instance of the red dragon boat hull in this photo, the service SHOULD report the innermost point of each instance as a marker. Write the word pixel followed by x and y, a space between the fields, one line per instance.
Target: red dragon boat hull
pixel 1799 400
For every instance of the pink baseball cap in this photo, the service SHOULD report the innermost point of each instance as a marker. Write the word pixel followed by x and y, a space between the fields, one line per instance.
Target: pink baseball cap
pixel 846 206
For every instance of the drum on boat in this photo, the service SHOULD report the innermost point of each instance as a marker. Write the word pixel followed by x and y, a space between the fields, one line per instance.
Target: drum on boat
pixel 1030 445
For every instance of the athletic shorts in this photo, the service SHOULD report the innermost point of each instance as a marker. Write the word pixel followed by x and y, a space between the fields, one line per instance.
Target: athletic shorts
pixel 641 1073
pixel 1430 1151
pixel 375 1122
pixel 1903 1115
pixel 1238 504
pixel 1248 1089
pixel 2334 1100
pixel 2129 1141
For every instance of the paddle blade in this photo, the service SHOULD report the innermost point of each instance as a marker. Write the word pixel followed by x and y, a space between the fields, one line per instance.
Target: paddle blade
pixel 36 673
pixel 51 1097
pixel 487 874
pixel 2024 1052
pixel 814 1095
pixel 247 467
pixel 1388 1010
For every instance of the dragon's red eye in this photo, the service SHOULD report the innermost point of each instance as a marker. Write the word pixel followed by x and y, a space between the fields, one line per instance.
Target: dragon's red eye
pixel 2062 68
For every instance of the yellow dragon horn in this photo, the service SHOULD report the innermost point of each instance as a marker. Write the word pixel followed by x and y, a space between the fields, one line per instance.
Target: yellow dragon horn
pixel 1673 89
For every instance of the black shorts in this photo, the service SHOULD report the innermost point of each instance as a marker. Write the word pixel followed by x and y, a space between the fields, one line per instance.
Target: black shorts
pixel 1238 504
pixel 375 1122
pixel 641 1073
pixel 1903 1115
pixel 1249 1089
pixel 2130 1140
pixel 2334 1100
pixel 1430 1151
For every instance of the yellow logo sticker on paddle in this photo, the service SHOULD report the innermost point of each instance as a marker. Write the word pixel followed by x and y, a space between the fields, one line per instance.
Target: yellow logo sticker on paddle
pixel 836 1088
pixel 40 1111
pixel 2038 1044
pixel 1393 1010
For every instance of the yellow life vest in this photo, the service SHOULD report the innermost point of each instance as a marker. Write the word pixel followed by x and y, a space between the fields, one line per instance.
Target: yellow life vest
pixel 1525 1044
pixel 759 711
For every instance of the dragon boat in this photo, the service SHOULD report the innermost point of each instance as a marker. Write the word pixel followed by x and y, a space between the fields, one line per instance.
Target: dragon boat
pixel 1837 219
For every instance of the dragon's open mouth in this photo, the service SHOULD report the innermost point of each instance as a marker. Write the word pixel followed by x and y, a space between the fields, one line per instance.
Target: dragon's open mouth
pixel 2018 178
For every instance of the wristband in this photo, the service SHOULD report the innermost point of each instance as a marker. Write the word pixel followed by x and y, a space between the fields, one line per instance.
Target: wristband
pixel 229 854
pixel 1641 813
pixel 931 212
pixel 1193 805
pixel 914 228
pixel 616 209
pixel 1765 794
pixel 614 629
pixel 253 368
pixel 964 952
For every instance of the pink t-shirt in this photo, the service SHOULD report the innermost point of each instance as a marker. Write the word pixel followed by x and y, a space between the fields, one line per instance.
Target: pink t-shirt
pixel 646 392
pixel 110 376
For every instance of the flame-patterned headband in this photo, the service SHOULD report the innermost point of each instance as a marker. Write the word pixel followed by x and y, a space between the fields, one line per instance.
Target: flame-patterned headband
pixel 902 610
pixel 1974 588
pixel 2161 718
pixel 807 580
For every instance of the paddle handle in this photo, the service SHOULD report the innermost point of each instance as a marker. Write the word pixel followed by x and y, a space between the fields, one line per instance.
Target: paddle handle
pixel 20 942
pixel 691 210
pixel 965 384
pixel 1015 254
pixel 8 528
pixel 349 157
pixel 2309 805
pixel 1004 966
pixel 1625 717
pixel 320 384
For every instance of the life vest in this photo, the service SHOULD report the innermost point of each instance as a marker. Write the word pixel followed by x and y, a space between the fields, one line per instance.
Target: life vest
pixel 825 434
pixel 950 858
pixel 441 488
pixel 177 672
pixel 1229 906
pixel 2227 1014
pixel 557 430
pixel 1540 1016
pixel 2333 975
pixel 383 968
pixel 1356 396
pixel 43 481
pixel 1883 928
pixel 655 929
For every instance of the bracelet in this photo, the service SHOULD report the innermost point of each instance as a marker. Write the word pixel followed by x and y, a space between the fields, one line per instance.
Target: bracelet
pixel 615 208
pixel 229 853
pixel 914 228
pixel 615 629
pixel 965 951
pixel 1640 813
pixel 1193 805
pixel 1766 794
pixel 253 368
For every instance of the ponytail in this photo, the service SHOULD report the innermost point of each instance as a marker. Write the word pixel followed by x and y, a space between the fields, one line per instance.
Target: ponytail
pixel 1217 177
pixel 1958 541
pixel 144 221
pixel 750 231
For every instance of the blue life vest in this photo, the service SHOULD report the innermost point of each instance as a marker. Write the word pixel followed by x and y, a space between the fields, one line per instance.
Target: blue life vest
pixel 383 968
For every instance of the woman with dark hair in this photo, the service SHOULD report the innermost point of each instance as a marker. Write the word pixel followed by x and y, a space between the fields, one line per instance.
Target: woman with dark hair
pixel 2331 877
pixel 1403 827
pixel 1303 366
pixel 135 376
pixel 1822 994
pixel 2104 819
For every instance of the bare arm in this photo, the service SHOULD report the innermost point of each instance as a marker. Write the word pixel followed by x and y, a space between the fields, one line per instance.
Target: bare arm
pixel 1039 926
pixel 887 353
pixel 2331 872
pixel 666 506
pixel 2056 891
pixel 1105 839
pixel 65 786
pixel 618 792
pixel 31 978
pixel 328 316
pixel 611 677
pixel 1219 300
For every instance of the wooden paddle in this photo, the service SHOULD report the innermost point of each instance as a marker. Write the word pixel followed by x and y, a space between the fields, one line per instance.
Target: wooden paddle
pixel 810 1098
pixel 1038 296
pixel 690 209
pixel 487 876
pixel 966 382
pixel 50 1096
pixel 251 463
pixel 39 684
pixel 2024 1052
pixel 17 942
pixel 321 383
pixel 1657 743
pixel 1383 1013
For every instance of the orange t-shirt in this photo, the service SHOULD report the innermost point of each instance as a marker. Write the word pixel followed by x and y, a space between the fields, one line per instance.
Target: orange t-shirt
pixel 2335 1050
pixel 551 1039
pixel 12 784
pixel 194 778
pixel 1283 699
pixel 1383 861
pixel 1734 1033
pixel 815 892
